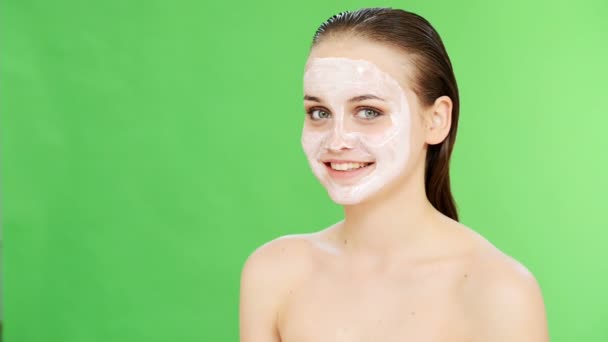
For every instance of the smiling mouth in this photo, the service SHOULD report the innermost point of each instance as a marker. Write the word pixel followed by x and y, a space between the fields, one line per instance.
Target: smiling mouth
pixel 347 167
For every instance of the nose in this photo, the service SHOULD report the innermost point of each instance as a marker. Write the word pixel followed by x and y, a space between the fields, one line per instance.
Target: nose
pixel 339 139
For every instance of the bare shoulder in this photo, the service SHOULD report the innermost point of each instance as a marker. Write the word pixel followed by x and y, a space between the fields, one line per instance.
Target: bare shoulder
pixel 267 274
pixel 279 257
pixel 503 296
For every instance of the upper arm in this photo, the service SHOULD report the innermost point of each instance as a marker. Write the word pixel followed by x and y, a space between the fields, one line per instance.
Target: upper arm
pixel 510 307
pixel 259 298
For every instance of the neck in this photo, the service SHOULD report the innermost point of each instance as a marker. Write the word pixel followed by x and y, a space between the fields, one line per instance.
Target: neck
pixel 391 221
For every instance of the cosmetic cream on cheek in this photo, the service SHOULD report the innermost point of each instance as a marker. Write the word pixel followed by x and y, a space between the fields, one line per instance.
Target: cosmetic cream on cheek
pixel 336 81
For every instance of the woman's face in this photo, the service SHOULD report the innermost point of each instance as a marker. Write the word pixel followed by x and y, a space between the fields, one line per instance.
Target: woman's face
pixel 356 134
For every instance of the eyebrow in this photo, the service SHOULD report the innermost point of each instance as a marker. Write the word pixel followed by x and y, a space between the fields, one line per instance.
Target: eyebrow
pixel 352 99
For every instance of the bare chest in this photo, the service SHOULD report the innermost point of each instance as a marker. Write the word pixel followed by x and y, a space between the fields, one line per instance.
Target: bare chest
pixel 341 307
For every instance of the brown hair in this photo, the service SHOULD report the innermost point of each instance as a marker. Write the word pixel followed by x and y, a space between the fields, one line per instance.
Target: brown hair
pixel 434 78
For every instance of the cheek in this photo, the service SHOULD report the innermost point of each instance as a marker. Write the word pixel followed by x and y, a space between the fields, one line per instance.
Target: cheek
pixel 311 142
pixel 388 153
pixel 388 135
pixel 376 133
pixel 391 149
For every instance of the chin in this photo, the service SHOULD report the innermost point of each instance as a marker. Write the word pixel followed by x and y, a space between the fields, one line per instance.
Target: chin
pixel 348 199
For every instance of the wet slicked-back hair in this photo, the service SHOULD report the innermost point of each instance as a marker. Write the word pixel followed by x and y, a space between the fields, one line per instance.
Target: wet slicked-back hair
pixel 433 77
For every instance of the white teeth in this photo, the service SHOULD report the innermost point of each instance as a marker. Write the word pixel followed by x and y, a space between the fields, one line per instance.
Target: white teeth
pixel 347 166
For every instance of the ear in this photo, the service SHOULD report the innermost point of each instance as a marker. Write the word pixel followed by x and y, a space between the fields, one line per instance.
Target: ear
pixel 438 120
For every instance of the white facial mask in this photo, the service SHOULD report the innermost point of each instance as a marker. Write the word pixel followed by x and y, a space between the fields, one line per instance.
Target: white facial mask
pixel 345 136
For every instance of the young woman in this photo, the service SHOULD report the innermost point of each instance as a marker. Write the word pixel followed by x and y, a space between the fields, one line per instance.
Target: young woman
pixel 381 106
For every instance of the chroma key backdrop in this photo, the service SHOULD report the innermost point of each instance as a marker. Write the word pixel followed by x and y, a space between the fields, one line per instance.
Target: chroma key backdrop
pixel 148 147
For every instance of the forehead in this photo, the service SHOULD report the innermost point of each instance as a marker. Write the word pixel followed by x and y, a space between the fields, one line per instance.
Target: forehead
pixel 383 58
pixel 343 76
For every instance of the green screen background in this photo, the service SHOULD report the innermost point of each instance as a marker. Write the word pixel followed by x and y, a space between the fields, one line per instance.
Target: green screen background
pixel 149 147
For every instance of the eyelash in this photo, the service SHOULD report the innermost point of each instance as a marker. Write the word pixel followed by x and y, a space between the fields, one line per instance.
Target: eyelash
pixel 358 109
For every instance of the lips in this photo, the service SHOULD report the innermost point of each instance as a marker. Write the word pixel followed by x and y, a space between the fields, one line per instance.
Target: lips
pixel 346 166
pixel 348 169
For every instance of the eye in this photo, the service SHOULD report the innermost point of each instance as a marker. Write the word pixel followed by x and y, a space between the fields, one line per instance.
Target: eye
pixel 368 113
pixel 318 113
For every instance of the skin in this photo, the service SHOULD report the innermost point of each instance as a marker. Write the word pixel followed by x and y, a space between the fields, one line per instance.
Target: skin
pixel 363 130
pixel 395 269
